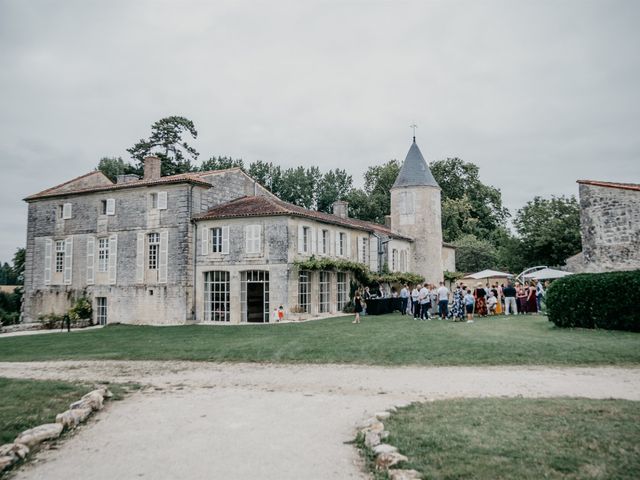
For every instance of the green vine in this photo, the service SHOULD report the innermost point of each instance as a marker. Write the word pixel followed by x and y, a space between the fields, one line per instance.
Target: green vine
pixel 360 271
pixel 452 276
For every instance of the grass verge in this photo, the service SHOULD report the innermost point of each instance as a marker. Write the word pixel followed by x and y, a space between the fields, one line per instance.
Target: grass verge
pixel 26 404
pixel 384 340
pixel 520 438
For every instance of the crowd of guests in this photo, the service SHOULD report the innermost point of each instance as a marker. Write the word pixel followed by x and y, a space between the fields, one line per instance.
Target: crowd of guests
pixel 426 301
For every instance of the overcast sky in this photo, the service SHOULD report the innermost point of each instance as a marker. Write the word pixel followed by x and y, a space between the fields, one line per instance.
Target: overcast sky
pixel 537 93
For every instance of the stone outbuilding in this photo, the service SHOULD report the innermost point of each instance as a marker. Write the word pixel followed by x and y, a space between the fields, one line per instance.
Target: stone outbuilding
pixel 214 246
pixel 610 227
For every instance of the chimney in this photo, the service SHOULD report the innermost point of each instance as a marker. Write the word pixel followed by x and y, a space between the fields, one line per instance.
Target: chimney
pixel 341 208
pixel 387 221
pixel 151 168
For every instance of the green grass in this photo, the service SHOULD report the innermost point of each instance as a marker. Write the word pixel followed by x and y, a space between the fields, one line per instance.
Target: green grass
pixel 520 438
pixel 384 340
pixel 26 404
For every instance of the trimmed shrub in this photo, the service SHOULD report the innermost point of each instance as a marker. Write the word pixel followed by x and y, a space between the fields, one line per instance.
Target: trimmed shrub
pixel 596 300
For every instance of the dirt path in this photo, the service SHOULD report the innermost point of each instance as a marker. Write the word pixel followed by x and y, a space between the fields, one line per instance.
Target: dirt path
pixel 237 421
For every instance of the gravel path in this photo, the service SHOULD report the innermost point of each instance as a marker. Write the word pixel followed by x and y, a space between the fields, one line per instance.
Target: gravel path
pixel 236 421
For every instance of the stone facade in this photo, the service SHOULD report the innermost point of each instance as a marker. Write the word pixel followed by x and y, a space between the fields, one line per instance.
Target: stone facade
pixel 610 226
pixel 208 247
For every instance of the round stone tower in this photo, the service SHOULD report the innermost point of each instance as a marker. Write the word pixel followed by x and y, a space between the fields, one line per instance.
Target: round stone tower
pixel 416 213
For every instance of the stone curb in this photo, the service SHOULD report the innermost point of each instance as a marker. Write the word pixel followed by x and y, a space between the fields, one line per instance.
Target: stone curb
pixel 27 441
pixel 386 455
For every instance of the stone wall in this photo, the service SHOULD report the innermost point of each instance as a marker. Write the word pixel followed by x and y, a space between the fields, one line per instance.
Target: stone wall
pixel 610 224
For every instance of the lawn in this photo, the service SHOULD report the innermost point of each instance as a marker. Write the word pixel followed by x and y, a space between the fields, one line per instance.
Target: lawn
pixel 28 403
pixel 520 438
pixel 384 340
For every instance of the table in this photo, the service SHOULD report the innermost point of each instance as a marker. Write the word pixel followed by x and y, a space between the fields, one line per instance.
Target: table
pixel 380 306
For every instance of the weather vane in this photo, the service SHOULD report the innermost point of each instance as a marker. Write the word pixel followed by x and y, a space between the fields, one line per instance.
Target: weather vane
pixel 414 126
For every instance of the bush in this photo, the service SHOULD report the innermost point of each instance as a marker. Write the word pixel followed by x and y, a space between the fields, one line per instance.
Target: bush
pixel 81 310
pixel 596 300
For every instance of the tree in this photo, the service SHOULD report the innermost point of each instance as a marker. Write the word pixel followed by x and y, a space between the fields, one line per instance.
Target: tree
pixel 266 174
pixel 549 229
pixel 374 202
pixel 112 167
pixel 474 254
pixel 18 265
pixel 167 143
pixel 459 180
pixel 333 185
pixel 221 163
pixel 299 186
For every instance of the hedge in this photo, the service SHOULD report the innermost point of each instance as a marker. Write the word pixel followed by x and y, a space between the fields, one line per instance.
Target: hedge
pixel 596 300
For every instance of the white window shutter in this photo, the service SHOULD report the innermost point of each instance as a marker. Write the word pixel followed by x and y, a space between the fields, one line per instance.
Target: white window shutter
pixel 66 211
pixel 248 231
pixel 348 246
pixel 300 239
pixel 257 238
pixel 204 233
pixel 162 200
pixel 225 239
pixel 359 253
pixel 312 240
pixel 337 252
pixel 48 247
pixel 111 206
pixel 140 258
pixel 113 258
pixel 91 259
pixel 164 257
pixel 373 253
pixel 68 261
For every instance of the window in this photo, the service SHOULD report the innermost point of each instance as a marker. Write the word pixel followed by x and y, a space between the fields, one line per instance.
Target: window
pixel 363 249
pixel 341 244
pixel 403 260
pixel 253 235
pixel 217 297
pixel 325 242
pixel 154 200
pixel 306 239
pixel 103 254
pixel 108 206
pixel 325 292
pixel 60 210
pixel 394 260
pixel 101 310
pixel 342 290
pixel 66 211
pixel 59 256
pixel 216 240
pixel 154 247
pixel 304 290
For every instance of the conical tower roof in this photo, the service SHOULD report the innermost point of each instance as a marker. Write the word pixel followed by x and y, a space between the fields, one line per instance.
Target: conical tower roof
pixel 415 171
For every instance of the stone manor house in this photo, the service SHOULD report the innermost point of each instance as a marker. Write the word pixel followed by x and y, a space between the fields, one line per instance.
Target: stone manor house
pixel 214 246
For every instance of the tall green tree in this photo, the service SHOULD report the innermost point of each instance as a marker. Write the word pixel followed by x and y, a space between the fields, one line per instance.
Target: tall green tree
pixel 221 163
pixel 374 201
pixel 333 185
pixel 460 180
pixel 267 174
pixel 167 142
pixel 474 254
pixel 549 230
pixel 114 166
pixel 299 186
pixel 18 265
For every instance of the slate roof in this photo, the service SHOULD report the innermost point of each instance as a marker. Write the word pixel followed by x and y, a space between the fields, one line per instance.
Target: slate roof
pixel 261 206
pixel 63 189
pixel 415 171
pixel 623 186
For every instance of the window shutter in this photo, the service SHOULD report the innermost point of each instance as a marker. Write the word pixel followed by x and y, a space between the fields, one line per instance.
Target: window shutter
pixel 247 238
pixel 113 258
pixel 312 241
pixel 48 247
pixel 348 246
pixel 68 260
pixel 111 206
pixel 337 253
pixel 257 238
pixel 373 253
pixel 225 239
pixel 164 257
pixel 204 233
pixel 66 211
pixel 140 258
pixel 359 253
pixel 91 262
pixel 162 200
pixel 300 239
